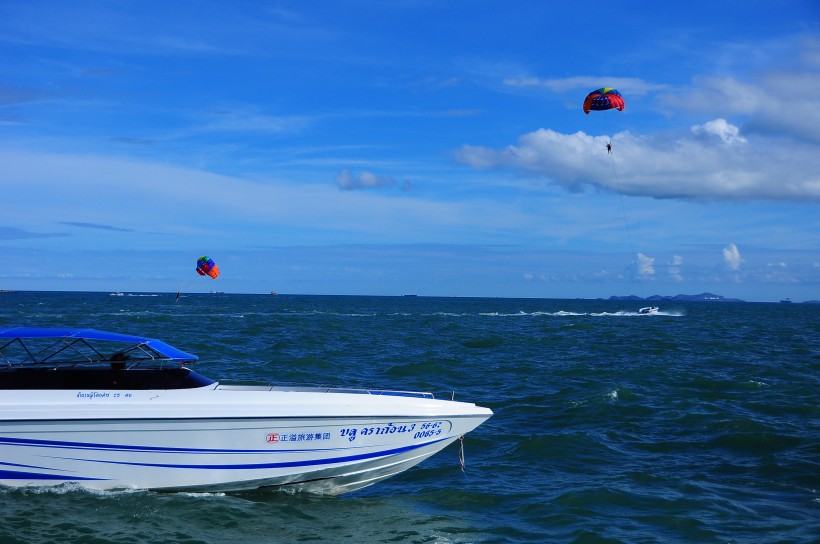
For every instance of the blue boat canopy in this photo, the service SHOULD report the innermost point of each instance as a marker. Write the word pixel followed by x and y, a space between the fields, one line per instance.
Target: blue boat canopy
pixel 144 348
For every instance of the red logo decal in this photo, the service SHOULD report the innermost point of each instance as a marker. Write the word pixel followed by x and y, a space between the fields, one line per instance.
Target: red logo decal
pixel 272 438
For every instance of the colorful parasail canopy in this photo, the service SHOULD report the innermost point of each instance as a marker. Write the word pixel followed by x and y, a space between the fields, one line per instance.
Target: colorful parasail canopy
pixel 205 266
pixel 605 98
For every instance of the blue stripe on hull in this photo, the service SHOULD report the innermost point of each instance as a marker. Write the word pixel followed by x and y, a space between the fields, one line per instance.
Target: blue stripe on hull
pixel 285 464
pixel 16 475
pixel 10 475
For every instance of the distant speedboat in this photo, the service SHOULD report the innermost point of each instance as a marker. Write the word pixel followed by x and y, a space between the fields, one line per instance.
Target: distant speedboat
pixel 786 301
pixel 648 310
pixel 107 411
pixel 118 294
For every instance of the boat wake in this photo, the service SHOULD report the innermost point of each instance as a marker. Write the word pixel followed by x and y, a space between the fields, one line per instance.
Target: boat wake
pixel 564 313
pixel 668 313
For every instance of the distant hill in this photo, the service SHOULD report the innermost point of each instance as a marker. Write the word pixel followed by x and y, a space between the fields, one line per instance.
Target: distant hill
pixel 705 297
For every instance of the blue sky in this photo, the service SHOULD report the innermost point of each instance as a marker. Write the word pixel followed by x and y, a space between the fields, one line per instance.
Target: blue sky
pixel 386 148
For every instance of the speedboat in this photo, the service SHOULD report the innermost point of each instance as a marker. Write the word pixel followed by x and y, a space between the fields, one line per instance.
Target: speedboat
pixel 109 411
pixel 648 310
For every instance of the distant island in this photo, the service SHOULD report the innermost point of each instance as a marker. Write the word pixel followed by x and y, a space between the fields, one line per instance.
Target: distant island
pixel 707 297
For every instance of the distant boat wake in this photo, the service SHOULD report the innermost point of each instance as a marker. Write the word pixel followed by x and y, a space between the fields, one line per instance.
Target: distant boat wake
pixel 563 313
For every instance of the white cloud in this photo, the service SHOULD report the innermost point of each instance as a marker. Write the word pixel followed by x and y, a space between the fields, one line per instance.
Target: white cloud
pixel 729 134
pixel 731 257
pixel 674 268
pixel 350 181
pixel 688 165
pixel 646 265
pixel 563 157
pixel 771 100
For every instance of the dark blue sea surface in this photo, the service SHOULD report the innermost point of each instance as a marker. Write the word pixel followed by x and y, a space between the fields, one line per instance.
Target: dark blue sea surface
pixel 699 424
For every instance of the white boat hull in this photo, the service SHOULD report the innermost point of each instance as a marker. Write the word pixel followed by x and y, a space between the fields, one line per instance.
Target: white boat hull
pixel 221 438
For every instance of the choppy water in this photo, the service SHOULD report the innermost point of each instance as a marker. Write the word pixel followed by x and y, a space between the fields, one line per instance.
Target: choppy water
pixel 700 424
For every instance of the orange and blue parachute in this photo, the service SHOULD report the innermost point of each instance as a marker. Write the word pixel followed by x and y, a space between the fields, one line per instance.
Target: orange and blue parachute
pixel 205 266
pixel 605 98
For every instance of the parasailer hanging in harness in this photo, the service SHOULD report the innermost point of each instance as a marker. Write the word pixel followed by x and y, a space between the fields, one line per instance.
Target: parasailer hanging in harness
pixel 605 98
pixel 205 266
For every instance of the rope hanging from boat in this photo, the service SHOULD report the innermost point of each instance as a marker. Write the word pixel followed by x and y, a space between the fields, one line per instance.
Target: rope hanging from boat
pixel 461 453
pixel 461 440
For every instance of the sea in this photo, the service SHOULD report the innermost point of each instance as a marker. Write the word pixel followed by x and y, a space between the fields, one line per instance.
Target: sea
pixel 699 424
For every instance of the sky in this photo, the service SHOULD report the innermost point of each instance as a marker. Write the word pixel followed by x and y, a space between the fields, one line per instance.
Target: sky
pixel 411 147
